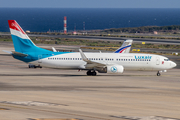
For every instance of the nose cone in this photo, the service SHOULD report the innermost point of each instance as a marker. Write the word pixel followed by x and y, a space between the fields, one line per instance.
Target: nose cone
pixel 173 64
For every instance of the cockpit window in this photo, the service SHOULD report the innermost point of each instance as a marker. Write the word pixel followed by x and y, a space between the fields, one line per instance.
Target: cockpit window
pixel 166 59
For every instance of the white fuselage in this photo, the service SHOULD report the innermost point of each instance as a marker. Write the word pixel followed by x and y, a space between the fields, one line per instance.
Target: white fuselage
pixel 130 61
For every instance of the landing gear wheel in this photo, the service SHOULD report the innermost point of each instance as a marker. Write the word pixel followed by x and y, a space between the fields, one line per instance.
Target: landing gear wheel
pixel 88 72
pixel 158 74
pixel 91 73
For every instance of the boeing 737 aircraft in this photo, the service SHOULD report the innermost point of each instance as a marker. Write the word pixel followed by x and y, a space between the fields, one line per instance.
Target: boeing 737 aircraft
pixel 125 48
pixel 27 51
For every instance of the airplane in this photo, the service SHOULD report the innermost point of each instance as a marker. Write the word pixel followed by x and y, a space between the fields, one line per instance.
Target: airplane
pixel 28 52
pixel 125 48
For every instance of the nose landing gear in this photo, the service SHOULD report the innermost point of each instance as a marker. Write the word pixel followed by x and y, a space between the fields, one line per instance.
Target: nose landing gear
pixel 158 73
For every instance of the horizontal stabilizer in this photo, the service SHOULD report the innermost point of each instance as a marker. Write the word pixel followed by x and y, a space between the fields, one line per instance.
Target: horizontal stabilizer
pixel 7 51
pixel 19 54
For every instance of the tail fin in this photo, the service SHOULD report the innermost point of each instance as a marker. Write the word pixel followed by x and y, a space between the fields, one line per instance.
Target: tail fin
pixel 22 43
pixel 125 48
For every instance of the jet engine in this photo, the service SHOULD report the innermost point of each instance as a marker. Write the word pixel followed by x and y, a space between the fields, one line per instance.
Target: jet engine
pixel 111 69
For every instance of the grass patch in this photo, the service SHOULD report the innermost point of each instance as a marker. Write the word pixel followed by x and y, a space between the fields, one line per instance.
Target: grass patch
pixel 93 44
pixel 5 38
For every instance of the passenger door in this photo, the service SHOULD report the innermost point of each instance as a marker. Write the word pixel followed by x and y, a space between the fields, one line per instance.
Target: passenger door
pixel 157 60
pixel 39 58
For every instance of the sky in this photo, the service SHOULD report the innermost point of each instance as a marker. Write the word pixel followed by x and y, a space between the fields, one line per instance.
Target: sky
pixel 90 3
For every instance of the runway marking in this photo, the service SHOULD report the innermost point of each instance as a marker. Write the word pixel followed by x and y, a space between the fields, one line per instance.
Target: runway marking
pixel 66 113
pixel 31 103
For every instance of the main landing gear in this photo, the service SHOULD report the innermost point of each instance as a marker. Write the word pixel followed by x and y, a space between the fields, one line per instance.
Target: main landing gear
pixel 93 73
pixel 34 66
pixel 158 73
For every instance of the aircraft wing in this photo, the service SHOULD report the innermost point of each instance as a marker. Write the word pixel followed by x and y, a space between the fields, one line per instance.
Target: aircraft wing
pixel 90 63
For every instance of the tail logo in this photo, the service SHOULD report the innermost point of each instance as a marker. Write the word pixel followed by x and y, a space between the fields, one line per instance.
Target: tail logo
pixel 16 26
pixel 120 50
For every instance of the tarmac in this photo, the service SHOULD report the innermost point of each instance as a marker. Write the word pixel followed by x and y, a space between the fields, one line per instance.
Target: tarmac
pixel 54 94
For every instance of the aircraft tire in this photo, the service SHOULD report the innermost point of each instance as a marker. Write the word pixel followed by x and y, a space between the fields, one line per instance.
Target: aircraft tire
pixel 88 72
pixel 158 74
pixel 94 73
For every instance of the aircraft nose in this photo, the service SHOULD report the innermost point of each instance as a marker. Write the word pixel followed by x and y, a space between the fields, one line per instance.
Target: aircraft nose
pixel 173 64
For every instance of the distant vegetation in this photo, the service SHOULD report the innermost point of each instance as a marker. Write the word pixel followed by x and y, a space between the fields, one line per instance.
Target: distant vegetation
pixel 138 36
pixel 5 38
pixel 145 29
pixel 71 41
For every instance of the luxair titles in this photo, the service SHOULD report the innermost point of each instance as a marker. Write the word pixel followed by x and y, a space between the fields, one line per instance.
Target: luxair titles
pixel 143 57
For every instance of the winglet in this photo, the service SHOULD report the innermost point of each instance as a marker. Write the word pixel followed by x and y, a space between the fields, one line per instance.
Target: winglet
pixel 54 50
pixel 83 56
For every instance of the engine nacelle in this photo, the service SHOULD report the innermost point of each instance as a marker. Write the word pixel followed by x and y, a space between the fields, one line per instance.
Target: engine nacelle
pixel 112 69
pixel 115 69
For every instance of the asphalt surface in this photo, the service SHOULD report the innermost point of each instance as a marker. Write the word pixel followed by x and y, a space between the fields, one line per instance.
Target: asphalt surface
pixel 53 94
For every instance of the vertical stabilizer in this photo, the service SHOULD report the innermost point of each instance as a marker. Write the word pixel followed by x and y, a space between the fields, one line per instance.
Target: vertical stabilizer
pixel 125 48
pixel 22 43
